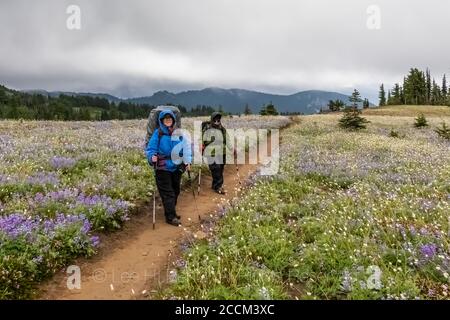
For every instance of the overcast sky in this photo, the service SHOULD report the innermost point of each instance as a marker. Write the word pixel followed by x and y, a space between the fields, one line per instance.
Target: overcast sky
pixel 134 48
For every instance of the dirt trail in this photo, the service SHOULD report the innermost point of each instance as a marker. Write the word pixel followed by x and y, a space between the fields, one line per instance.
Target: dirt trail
pixel 130 259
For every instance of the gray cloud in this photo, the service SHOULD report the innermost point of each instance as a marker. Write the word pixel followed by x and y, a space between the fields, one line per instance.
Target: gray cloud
pixel 133 48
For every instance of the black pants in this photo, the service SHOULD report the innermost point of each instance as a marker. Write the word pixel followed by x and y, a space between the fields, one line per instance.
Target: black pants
pixel 217 175
pixel 169 188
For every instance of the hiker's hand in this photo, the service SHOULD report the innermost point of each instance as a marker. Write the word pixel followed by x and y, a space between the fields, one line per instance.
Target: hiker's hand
pixel 154 158
pixel 188 167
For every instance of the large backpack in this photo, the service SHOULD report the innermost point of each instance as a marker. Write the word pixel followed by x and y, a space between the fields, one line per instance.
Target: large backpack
pixel 153 120
pixel 205 126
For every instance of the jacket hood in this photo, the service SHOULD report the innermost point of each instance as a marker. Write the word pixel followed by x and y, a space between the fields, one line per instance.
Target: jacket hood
pixel 215 114
pixel 162 114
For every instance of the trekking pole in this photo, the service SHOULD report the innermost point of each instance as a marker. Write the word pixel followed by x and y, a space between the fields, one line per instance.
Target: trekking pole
pixel 155 165
pixel 193 193
pixel 200 173
pixel 154 209
pixel 199 180
pixel 238 175
pixel 237 170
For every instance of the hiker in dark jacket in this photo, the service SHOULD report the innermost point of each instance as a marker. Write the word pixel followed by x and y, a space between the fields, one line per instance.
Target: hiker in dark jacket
pixel 168 171
pixel 216 164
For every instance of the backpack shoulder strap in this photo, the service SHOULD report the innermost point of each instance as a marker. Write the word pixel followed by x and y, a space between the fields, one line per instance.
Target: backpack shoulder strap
pixel 160 134
pixel 205 125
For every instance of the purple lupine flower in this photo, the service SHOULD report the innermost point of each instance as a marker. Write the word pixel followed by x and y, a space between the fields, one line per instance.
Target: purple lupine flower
pixel 7 179
pixel 111 206
pixel 48 227
pixel 184 246
pixel 426 205
pixel 62 163
pixel 61 195
pixel 86 226
pixel 180 263
pixel 38 259
pixel 412 231
pixel 110 210
pixel 401 229
pixel 61 222
pixel 423 231
pixel 428 250
pixel 41 178
pixel 75 200
pixel 95 240
pixel 16 225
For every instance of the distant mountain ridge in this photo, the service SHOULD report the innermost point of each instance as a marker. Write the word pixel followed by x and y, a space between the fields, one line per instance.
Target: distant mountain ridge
pixel 231 100
pixel 108 97
pixel 234 100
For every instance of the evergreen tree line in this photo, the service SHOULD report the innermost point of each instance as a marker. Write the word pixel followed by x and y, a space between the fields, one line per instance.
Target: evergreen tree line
pixel 20 105
pixel 418 88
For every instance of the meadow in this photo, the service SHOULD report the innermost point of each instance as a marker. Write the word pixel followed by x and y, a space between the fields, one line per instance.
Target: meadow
pixel 351 215
pixel 410 111
pixel 63 183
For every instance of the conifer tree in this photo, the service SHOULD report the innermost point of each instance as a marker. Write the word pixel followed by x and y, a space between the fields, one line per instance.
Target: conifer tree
pixel 396 94
pixel 443 131
pixel 444 88
pixel 428 86
pixel 247 109
pixel 271 110
pixel 355 99
pixel 352 120
pixel 366 103
pixel 435 94
pixel 420 121
pixel 382 96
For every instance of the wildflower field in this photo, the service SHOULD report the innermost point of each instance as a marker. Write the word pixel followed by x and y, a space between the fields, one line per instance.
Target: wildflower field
pixel 351 215
pixel 61 183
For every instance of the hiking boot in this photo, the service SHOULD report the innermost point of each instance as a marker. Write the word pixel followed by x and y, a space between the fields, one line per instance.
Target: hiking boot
pixel 220 191
pixel 175 222
pixel 178 217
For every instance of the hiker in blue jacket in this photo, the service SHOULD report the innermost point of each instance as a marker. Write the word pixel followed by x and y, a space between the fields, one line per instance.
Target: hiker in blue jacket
pixel 169 167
